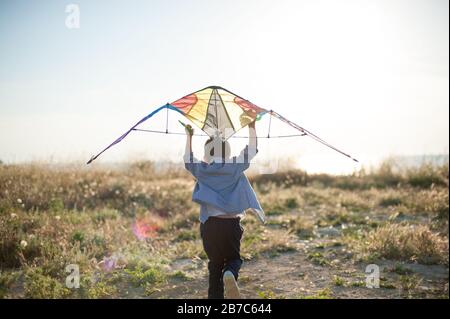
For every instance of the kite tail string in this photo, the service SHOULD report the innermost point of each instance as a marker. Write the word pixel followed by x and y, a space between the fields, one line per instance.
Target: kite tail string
pixel 310 134
pixel 120 138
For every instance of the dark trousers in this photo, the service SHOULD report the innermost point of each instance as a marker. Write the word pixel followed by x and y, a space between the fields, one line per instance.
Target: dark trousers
pixel 222 243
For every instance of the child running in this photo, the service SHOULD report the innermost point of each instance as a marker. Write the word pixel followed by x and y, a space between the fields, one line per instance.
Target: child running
pixel 224 194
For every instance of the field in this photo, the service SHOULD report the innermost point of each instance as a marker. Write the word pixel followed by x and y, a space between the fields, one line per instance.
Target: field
pixel 133 232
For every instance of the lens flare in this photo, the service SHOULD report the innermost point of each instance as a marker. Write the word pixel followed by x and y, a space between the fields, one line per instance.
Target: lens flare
pixel 109 263
pixel 144 228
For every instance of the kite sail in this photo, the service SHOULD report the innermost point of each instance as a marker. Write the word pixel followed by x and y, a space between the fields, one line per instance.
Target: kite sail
pixel 219 113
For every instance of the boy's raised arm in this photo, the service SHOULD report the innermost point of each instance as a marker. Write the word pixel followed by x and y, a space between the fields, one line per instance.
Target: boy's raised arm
pixel 251 149
pixel 252 139
pixel 188 148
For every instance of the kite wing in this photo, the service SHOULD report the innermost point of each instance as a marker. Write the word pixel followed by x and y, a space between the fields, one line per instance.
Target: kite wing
pixel 217 111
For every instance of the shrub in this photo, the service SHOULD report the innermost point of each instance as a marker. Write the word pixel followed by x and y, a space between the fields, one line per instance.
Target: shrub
pixel 39 286
pixel 152 275
pixel 390 201
pixel 406 242
pixel 427 175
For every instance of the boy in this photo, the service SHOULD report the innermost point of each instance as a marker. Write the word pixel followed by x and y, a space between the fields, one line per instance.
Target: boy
pixel 224 193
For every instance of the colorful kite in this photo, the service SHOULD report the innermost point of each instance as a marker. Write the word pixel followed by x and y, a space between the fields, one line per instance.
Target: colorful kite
pixel 219 113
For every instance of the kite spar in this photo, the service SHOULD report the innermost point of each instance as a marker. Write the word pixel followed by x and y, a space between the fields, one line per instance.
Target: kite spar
pixel 312 135
pixel 121 137
pixel 219 112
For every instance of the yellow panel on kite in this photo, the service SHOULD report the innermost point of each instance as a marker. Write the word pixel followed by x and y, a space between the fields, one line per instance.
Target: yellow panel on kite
pixel 217 112
pixel 197 113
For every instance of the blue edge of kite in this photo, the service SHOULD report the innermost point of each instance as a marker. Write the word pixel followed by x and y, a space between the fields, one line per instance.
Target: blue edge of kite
pixel 171 107
pixel 166 106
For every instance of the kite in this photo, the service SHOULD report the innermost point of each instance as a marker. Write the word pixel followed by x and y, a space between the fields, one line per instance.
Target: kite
pixel 219 113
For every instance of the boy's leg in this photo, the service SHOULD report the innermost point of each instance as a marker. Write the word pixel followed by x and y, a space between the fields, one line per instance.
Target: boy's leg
pixel 211 244
pixel 232 247
pixel 216 288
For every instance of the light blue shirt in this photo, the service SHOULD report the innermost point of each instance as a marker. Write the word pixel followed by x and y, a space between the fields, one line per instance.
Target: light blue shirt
pixel 222 187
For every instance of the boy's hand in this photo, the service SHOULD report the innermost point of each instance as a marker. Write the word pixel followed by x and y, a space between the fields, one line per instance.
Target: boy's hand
pixel 189 130
pixel 252 124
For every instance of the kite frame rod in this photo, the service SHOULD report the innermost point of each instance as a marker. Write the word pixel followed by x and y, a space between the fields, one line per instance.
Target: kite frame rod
pixel 271 113
pixel 121 137
pixel 233 136
pixel 310 134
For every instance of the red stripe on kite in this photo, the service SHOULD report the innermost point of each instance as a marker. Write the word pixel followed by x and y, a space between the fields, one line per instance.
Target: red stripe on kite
pixel 186 103
pixel 248 107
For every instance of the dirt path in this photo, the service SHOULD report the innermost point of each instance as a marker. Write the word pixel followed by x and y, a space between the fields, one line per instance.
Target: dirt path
pixel 295 275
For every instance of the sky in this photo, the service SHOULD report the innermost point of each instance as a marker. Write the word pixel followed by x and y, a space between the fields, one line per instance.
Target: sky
pixel 369 76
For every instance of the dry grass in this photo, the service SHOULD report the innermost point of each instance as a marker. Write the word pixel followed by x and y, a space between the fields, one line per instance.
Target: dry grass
pixel 408 242
pixel 129 225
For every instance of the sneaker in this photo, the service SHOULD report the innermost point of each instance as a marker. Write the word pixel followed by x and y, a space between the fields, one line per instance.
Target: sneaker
pixel 231 287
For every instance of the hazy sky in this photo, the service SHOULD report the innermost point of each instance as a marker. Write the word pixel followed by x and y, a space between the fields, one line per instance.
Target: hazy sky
pixel 370 77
